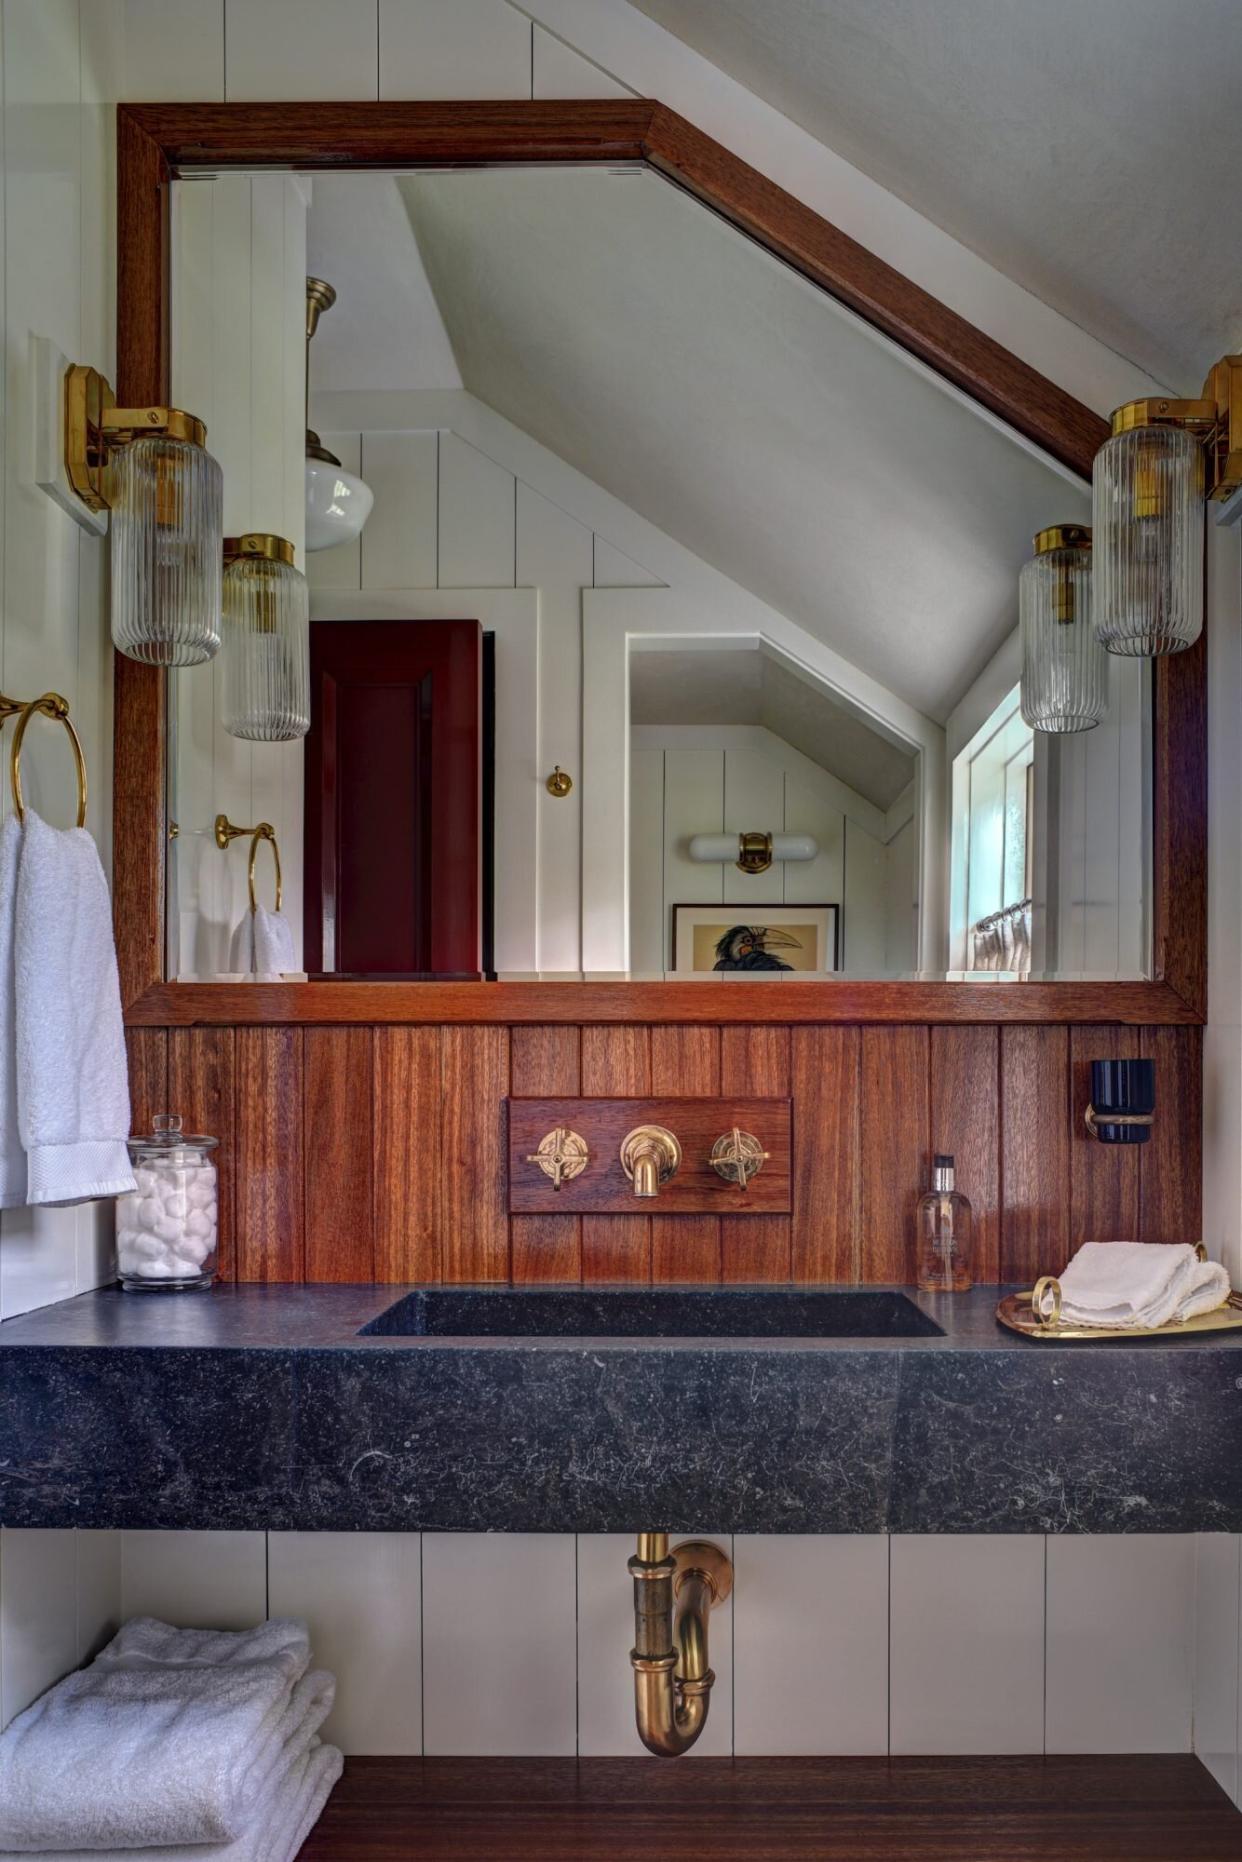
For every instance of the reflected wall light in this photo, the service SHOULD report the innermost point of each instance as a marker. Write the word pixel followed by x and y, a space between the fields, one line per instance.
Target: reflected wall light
pixel 149 467
pixel 1148 489
pixel 338 503
pixel 1064 667
pixel 266 656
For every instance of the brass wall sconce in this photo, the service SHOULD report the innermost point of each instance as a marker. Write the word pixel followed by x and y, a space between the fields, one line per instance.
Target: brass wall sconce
pixel 263 831
pixel 672 1677
pixel 149 468
pixel 266 610
pixel 1123 1101
pixel 562 1155
pixel 752 852
pixel 1064 669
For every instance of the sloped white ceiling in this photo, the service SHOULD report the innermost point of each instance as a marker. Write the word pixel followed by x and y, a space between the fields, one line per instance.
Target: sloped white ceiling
pixel 726 400
pixel 1090 149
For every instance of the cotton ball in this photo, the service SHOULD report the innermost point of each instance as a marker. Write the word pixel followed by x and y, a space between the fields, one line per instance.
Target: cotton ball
pixel 147 1179
pixel 196 1223
pixel 169 1230
pixel 149 1211
pixel 175 1204
pixel 198 1195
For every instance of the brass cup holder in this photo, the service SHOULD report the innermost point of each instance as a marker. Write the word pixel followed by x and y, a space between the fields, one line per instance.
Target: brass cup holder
pixel 650 1155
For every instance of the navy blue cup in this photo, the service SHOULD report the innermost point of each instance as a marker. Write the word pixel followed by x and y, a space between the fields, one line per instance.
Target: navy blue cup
pixel 1122 1086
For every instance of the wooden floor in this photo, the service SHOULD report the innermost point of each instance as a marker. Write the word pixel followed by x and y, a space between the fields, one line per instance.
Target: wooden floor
pixel 1165 1809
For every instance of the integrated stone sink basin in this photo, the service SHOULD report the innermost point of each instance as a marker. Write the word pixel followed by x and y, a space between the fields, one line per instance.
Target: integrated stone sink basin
pixel 652 1312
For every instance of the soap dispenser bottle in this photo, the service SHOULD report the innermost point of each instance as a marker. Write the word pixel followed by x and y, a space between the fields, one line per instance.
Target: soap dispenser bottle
pixel 944 1234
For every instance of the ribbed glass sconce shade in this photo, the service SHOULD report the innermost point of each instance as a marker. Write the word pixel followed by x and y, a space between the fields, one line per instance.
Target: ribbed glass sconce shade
pixel 266 642
pixel 1064 667
pixel 166 497
pixel 1147 516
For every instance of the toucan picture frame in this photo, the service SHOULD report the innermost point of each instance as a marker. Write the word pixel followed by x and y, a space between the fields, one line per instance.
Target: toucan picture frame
pixel 757 942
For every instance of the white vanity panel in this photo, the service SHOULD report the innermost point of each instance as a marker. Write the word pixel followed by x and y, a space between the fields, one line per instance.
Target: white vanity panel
pixel 1218 1591
pixel 197 1580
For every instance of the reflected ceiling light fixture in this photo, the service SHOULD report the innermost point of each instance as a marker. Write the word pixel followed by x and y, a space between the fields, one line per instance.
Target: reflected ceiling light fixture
pixel 752 853
pixel 1064 666
pixel 266 656
pixel 337 502
pixel 1148 489
pixel 149 468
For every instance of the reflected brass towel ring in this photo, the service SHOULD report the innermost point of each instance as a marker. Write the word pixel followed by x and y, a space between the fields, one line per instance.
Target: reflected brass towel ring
pixel 53 706
pixel 226 832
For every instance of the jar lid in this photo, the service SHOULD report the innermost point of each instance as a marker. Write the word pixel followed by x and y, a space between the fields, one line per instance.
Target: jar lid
pixel 166 1135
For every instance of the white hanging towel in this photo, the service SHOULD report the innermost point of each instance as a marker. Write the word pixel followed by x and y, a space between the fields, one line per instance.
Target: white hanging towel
pixel 12 1156
pixel 72 1082
pixel 262 946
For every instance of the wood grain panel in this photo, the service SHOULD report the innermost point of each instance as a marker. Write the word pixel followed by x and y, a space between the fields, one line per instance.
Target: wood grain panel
pixel 147 1057
pixel 474 1216
pixel 685 1059
pixel 546 1061
pixel 616 1060
pixel 1035 1153
pixel 202 1087
pixel 338 1066
pixel 965 1121
pixel 407 1102
pixel 824 1080
pixel 269 1131
pixel 1104 1178
pixel 755 1248
pixel 1171 1163
pixel 894 1126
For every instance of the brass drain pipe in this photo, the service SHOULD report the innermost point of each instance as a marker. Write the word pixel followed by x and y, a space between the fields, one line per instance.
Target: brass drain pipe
pixel 672 1679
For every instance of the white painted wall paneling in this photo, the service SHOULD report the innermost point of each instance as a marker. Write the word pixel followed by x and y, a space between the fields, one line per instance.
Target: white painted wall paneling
pixel 1218 1628
pixel 453 48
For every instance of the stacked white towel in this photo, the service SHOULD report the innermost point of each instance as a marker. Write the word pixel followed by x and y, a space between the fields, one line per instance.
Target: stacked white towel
pixel 176 1743
pixel 1139 1283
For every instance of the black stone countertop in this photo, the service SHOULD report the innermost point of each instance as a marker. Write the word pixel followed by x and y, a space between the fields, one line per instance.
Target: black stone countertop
pixel 263 1407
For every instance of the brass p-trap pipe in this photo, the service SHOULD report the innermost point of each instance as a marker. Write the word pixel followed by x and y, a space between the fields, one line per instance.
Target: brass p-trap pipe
pixel 672 1677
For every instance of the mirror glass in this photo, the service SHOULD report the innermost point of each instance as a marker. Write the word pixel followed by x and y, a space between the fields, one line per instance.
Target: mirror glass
pixel 651 510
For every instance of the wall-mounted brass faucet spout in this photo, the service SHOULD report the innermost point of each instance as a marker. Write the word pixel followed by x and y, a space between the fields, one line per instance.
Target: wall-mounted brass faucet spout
pixel 672 1678
pixel 650 1155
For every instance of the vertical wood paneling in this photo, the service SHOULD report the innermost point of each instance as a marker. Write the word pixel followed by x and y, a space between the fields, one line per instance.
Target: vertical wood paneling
pixel 824 1081
pixel 894 1121
pixel 1171 1163
pixel 965 1121
pixel 474 1215
pixel 616 1060
pixel 685 1247
pixel 269 1200
pixel 407 1104
pixel 1104 1178
pixel 1035 1152
pixel 755 1059
pixel 340 1141
pixel 147 1050
pixel 202 1089
pixel 546 1061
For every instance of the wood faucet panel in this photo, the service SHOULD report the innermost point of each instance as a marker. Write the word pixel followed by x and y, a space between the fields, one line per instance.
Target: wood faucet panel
pixel 603 1186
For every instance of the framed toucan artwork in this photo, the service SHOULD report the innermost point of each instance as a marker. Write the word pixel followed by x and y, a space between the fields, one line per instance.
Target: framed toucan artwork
pixel 774 941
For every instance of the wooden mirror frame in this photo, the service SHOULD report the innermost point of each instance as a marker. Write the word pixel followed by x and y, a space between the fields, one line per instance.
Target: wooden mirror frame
pixel 156 141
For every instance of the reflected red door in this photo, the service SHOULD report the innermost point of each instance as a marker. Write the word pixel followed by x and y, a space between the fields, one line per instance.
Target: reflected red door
pixel 393 788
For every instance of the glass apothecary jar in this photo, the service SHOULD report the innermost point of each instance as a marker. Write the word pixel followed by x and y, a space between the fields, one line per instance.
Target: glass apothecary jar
pixel 166 1228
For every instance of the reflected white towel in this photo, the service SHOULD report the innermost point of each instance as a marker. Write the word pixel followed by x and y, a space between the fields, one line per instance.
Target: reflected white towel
pixel 1139 1283
pixel 169 1737
pixel 262 946
pixel 12 1156
pixel 72 1080
pixel 281 1823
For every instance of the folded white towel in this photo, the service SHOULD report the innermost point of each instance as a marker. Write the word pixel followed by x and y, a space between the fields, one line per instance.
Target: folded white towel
pixel 169 1737
pixel 262 946
pixel 281 1823
pixel 1143 1283
pixel 12 1156
pixel 72 1082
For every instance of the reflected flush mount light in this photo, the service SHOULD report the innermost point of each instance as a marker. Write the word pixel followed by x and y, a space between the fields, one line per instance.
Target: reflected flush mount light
pixel 149 468
pixel 1148 489
pixel 1064 667
pixel 338 503
pixel 266 655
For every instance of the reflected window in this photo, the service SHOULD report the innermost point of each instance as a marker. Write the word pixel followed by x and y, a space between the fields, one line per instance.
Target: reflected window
pixel 993 842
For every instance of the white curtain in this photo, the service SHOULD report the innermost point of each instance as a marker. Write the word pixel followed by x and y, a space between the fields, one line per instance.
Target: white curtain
pixel 1003 941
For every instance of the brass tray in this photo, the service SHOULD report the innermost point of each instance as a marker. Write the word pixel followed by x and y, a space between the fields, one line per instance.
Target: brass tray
pixel 1015 1312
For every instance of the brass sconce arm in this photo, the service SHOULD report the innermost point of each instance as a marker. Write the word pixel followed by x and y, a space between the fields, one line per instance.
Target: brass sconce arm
pixel 673 1679
pixel 95 427
pixel 1216 417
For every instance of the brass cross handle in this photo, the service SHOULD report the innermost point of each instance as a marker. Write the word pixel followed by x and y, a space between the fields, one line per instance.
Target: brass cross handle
pixel 737 1156
pixel 562 1155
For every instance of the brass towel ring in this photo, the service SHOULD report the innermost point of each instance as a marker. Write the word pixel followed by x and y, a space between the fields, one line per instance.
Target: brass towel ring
pixel 226 832
pixel 53 706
